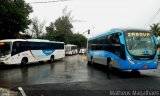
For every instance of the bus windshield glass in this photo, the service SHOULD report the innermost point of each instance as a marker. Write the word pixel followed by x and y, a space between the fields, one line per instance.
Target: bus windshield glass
pixel 140 43
pixel 67 48
pixel 5 48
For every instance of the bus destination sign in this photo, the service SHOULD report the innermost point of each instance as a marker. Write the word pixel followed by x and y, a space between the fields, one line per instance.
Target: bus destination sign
pixel 133 34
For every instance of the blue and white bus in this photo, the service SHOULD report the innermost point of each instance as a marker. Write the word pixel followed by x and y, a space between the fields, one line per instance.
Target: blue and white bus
pixel 20 51
pixel 125 49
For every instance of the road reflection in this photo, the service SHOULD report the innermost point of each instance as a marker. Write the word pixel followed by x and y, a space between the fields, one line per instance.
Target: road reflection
pixel 24 74
pixel 70 69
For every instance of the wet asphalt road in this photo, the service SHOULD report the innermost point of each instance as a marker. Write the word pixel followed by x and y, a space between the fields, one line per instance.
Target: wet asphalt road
pixel 70 69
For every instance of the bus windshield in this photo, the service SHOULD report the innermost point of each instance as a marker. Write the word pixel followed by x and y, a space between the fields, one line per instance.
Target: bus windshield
pixel 140 44
pixel 5 48
pixel 67 48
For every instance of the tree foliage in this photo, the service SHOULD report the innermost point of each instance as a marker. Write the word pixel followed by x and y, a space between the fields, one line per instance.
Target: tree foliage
pixel 155 28
pixel 14 17
pixel 63 24
pixel 50 28
pixel 63 28
pixel 60 30
pixel 50 35
pixel 37 27
pixel 78 39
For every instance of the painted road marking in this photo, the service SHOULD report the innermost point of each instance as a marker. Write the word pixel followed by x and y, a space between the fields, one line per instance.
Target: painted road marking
pixel 22 91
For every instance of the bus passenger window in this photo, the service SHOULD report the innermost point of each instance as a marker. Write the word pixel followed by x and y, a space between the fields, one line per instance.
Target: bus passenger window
pixel 15 48
pixel 14 51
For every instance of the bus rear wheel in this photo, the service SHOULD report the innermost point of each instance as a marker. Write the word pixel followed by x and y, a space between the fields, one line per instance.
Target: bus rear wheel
pixel 52 58
pixel 109 67
pixel 88 63
pixel 92 61
pixel 24 61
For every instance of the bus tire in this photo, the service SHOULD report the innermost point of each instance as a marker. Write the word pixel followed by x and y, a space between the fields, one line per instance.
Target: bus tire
pixel 24 61
pixel 52 58
pixel 135 73
pixel 108 64
pixel 92 61
pixel 88 63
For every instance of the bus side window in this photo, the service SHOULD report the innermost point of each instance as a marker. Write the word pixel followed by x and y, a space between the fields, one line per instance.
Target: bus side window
pixel 14 51
pixel 23 46
pixel 55 46
pixel 120 48
pixel 93 47
pixel 52 45
pixel 117 40
pixel 49 46
pixel 15 48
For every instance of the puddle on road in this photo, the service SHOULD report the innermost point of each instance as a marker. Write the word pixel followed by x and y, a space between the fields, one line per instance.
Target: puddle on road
pixel 70 69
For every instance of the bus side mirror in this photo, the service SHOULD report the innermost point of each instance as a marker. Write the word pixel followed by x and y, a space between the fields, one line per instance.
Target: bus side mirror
pixel 155 39
pixel 122 41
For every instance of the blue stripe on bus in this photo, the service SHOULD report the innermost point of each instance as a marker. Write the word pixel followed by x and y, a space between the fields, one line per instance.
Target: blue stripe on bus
pixel 125 64
pixel 48 52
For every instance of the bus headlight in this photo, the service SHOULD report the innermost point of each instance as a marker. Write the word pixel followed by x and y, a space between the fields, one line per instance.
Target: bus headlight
pixel 155 62
pixel 130 60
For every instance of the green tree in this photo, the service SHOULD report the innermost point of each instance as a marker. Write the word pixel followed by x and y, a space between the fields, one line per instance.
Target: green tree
pixel 37 27
pixel 155 28
pixel 60 30
pixel 62 34
pixel 14 17
pixel 63 28
pixel 79 40
pixel 50 28
pixel 50 35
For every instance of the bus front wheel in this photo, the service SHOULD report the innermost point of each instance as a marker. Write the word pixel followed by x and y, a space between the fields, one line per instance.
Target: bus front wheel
pixel 24 61
pixel 135 73
pixel 52 58
pixel 92 61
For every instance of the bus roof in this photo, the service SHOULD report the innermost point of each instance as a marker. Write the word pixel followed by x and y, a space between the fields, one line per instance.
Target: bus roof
pixel 33 40
pixel 128 29
pixel 56 42
pixel 37 40
pixel 12 40
pixel 70 45
pixel 114 30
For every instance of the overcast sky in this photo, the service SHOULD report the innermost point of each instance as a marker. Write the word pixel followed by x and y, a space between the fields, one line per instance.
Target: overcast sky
pixel 100 15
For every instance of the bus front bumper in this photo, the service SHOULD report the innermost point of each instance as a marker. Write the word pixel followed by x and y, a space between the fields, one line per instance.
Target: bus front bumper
pixel 139 66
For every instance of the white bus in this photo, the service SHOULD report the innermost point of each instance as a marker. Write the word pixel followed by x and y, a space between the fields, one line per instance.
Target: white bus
pixel 20 51
pixel 82 51
pixel 71 49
